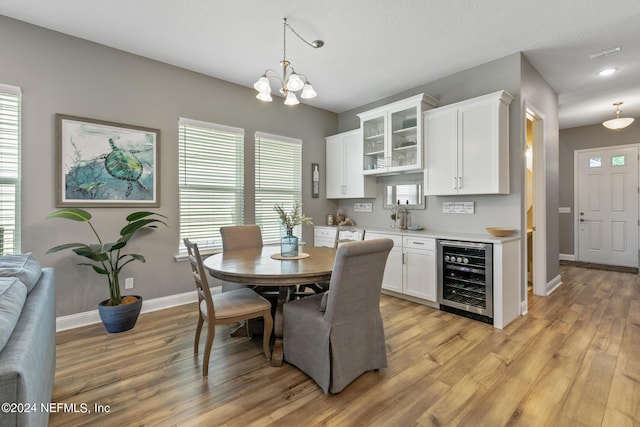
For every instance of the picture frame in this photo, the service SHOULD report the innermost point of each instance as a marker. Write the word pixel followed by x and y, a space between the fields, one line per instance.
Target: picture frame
pixel 315 180
pixel 106 164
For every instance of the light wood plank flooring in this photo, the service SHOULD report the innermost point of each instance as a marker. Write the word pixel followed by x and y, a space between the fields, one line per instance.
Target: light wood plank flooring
pixel 574 360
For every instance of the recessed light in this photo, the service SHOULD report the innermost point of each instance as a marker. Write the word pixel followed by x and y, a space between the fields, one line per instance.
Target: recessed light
pixel 607 72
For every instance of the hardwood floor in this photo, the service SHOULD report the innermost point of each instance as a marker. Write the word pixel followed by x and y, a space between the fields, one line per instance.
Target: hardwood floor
pixel 574 360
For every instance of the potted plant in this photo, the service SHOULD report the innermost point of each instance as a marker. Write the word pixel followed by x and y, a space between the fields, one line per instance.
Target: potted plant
pixel 117 313
pixel 289 243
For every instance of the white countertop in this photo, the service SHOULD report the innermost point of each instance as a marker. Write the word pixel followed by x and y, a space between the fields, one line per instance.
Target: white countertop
pixel 486 238
pixel 436 234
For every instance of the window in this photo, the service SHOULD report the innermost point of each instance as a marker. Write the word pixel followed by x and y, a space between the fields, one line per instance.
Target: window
pixel 595 162
pixel 278 180
pixel 211 181
pixel 617 160
pixel 10 107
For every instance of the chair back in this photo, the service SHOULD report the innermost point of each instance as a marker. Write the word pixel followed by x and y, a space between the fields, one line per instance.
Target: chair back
pixel 236 237
pixel 200 276
pixel 356 280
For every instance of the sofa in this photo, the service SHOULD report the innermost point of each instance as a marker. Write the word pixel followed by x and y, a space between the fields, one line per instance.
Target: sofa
pixel 27 341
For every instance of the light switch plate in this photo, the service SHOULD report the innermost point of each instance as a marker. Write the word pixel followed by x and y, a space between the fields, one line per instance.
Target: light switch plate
pixel 363 207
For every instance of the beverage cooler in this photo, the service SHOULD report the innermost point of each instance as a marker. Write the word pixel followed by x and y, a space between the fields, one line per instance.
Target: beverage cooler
pixel 465 279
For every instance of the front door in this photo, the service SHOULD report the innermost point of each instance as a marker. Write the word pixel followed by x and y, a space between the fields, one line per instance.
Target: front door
pixel 607 217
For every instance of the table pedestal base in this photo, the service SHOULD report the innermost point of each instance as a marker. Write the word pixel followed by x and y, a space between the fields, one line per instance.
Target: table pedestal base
pixel 277 355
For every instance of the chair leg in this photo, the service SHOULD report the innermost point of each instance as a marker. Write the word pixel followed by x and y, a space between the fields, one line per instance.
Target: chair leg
pixel 211 332
pixel 198 330
pixel 266 337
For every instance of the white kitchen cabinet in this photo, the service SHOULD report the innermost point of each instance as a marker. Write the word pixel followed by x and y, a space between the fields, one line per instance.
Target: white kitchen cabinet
pixel 324 236
pixel 467 147
pixel 420 271
pixel 411 266
pixel 344 178
pixel 391 136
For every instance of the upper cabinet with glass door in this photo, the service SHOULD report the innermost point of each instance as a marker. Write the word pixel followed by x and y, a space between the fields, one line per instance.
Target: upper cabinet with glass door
pixel 392 136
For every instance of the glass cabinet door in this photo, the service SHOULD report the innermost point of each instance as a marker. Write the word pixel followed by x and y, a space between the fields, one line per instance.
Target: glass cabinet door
pixel 392 136
pixel 405 153
pixel 374 147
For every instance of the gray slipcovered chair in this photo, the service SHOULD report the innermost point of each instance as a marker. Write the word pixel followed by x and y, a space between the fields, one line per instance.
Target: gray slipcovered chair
pixel 229 307
pixel 337 336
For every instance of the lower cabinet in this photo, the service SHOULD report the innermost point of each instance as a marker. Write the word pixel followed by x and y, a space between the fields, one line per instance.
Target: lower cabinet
pixel 411 266
pixel 324 236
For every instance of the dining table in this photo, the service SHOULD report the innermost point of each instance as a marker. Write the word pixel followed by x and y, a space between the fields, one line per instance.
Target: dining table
pixel 264 266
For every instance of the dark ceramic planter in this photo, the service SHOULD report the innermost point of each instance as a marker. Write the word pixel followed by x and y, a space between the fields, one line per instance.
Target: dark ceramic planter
pixel 119 318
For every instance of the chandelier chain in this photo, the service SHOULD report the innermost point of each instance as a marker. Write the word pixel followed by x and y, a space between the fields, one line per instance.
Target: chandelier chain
pixel 297 35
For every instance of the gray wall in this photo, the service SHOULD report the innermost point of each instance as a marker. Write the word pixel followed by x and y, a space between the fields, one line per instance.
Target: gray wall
pixel 539 94
pixel 63 74
pixel 580 138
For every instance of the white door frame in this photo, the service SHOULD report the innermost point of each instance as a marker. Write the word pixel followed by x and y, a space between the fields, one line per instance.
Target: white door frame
pixel 576 153
pixel 539 273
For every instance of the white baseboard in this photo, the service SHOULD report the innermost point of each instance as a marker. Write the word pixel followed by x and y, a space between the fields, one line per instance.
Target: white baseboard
pixel 524 309
pixel 90 317
pixel 553 284
pixel 567 257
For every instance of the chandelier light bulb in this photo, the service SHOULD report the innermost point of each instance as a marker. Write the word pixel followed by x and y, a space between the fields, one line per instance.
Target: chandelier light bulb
pixel 308 92
pixel 294 82
pixel 264 96
pixel 262 84
pixel 291 99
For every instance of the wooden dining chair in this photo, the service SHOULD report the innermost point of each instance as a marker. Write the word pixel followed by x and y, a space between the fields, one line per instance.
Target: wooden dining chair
pixel 228 307
pixel 246 236
pixel 237 237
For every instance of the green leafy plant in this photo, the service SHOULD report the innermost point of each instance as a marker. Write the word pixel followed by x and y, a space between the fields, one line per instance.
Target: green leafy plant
pixel 293 218
pixel 108 257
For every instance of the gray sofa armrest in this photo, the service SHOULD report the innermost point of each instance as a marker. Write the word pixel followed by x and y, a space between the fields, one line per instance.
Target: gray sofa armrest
pixel 27 362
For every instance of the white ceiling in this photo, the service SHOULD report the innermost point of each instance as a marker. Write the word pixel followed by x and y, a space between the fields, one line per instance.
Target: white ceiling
pixel 373 48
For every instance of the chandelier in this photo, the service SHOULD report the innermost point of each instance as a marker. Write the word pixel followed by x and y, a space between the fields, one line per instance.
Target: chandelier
pixel 290 82
pixel 618 123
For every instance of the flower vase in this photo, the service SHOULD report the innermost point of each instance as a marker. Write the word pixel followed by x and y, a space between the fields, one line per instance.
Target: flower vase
pixel 289 244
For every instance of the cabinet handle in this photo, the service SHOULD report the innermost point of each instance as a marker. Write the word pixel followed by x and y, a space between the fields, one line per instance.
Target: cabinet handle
pixel 459 182
pixel 417 243
pixel 455 182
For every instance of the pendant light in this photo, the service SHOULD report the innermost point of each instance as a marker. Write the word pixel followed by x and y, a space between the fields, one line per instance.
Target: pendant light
pixel 290 82
pixel 618 123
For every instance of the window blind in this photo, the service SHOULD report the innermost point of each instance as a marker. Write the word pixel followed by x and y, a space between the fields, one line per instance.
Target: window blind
pixel 278 175
pixel 211 181
pixel 10 110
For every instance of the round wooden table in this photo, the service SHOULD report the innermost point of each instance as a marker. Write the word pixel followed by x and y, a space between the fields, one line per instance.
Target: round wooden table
pixel 257 267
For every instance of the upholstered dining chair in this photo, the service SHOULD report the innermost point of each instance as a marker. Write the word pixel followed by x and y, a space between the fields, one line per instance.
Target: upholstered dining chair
pixel 347 337
pixel 309 289
pixel 228 307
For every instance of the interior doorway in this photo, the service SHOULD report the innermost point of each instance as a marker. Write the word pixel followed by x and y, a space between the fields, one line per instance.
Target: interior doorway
pixel 534 206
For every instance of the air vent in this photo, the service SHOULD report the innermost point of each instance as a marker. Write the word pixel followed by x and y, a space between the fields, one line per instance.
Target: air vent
pixel 604 53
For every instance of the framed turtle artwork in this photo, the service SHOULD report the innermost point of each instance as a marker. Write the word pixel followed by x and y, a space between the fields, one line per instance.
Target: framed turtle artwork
pixel 106 164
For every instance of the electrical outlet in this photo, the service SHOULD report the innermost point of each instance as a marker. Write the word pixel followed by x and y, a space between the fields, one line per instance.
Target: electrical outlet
pixel 128 283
